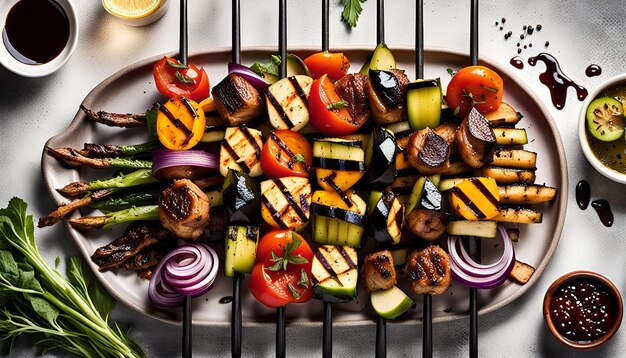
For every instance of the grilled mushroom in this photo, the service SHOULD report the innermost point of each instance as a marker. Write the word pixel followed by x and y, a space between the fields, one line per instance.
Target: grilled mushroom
pixel 378 271
pixel 429 270
pixel 184 209
pixel 427 224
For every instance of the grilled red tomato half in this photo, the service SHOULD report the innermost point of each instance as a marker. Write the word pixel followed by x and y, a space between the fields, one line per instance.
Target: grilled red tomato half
pixel 286 153
pixel 474 86
pixel 336 65
pixel 175 80
pixel 328 113
pixel 282 273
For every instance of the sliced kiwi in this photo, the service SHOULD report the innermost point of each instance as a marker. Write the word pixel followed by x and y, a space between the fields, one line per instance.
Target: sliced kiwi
pixel 605 119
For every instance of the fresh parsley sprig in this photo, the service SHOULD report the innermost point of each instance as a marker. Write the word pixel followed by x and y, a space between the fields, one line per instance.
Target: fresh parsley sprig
pixel 351 11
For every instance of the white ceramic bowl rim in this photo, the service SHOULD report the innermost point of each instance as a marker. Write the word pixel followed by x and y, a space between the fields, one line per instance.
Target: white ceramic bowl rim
pixel 22 69
pixel 582 130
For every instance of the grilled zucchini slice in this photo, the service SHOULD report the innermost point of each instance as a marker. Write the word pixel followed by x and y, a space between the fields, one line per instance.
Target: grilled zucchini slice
pixel 507 175
pixel 526 194
pixel 518 215
pixel 334 273
pixel 510 136
pixel 241 151
pixel 241 244
pixel 333 222
pixel 515 158
pixel 287 102
pixel 339 163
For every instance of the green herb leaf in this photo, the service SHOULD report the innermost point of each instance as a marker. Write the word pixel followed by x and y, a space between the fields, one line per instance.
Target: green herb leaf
pixel 278 262
pixel 298 158
pixel 57 262
pixel 490 89
pixel 337 105
pixel 304 279
pixel 451 72
pixel 351 11
pixel 270 68
pixel 281 262
pixel 151 118
pixel 8 266
pixel 293 290
pixel 276 60
pixel 44 308
pixel 184 78
pixel 176 64
pixel 457 110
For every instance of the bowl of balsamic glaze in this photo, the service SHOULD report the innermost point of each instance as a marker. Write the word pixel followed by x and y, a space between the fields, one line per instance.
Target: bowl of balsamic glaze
pixel 38 36
pixel 583 309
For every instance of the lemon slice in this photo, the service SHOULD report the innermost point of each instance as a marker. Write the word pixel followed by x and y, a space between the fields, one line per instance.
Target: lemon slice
pixel 131 9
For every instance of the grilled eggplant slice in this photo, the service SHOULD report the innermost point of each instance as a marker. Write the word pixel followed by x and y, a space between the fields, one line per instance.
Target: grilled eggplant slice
pixel 287 102
pixel 240 254
pixel 428 152
pixel 241 150
pixel 526 194
pixel 386 92
pixel 504 115
pixel 339 163
pixel 476 140
pixel 237 101
pixel 242 198
pixel 380 159
pixel 384 221
pixel 334 273
pixel 286 202
pixel 378 271
pixel 333 222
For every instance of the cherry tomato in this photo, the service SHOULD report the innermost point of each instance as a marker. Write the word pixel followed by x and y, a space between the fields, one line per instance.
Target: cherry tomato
pixel 190 82
pixel 336 65
pixel 325 113
pixel 277 163
pixel 475 86
pixel 275 288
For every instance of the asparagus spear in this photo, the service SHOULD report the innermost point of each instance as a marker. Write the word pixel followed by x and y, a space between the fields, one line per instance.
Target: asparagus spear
pixel 144 197
pixel 148 212
pixel 136 178
pixel 92 150
pixel 65 209
pixel 75 158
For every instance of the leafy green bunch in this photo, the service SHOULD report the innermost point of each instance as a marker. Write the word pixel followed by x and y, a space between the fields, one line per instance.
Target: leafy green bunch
pixel 69 314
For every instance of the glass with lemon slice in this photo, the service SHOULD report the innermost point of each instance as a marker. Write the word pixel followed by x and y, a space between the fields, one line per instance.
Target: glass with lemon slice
pixel 136 12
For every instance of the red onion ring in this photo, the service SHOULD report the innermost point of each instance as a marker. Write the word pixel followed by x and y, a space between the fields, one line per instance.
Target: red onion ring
pixel 255 80
pixel 189 270
pixel 165 158
pixel 470 273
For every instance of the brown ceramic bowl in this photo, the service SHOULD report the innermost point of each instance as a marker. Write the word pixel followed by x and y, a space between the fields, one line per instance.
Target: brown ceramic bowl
pixel 617 300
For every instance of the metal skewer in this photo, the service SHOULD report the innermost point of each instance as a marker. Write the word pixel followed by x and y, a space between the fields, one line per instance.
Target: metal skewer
pixel 183 50
pixel 282 72
pixel 236 321
pixel 475 243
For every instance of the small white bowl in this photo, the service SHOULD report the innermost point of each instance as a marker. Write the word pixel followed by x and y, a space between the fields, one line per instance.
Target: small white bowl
pixel 22 69
pixel 582 129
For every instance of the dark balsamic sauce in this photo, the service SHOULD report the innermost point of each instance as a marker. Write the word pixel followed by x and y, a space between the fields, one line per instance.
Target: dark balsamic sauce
pixel 226 299
pixel 603 209
pixel 582 310
pixel 556 81
pixel 583 194
pixel 517 62
pixel 593 70
pixel 36 31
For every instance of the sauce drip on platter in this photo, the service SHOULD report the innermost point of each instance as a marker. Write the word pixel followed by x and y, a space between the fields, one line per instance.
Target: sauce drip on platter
pixel 582 310
pixel 226 299
pixel 593 70
pixel 517 62
pixel 583 194
pixel 557 81
pixel 603 209
pixel 36 31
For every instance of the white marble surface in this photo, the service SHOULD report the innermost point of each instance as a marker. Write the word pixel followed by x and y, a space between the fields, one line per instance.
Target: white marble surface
pixel 580 33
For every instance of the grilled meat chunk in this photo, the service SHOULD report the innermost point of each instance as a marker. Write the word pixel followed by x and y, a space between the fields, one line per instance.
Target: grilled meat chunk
pixel 378 271
pixel 429 270
pixel 428 152
pixel 237 101
pixel 351 88
pixel 137 237
pixel 184 209
pixel 476 140
pixel 427 224
pixel 447 131
pixel 386 93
